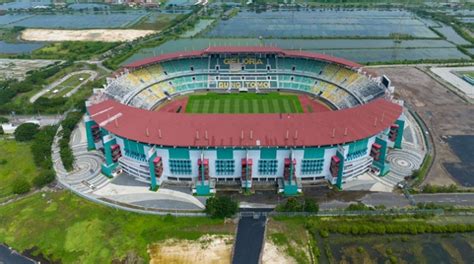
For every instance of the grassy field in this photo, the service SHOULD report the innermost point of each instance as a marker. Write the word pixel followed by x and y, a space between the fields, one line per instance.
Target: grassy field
pixel 68 85
pixel 72 50
pixel 65 227
pixel 470 74
pixel 291 237
pixel 16 161
pixel 424 247
pixel 244 103
pixel 153 22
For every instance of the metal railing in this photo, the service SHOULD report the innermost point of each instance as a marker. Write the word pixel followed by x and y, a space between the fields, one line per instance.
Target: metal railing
pixel 390 212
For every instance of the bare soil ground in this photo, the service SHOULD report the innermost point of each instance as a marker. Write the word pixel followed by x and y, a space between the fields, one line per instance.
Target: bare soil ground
pixel 285 240
pixel 274 254
pixel 105 35
pixel 444 113
pixel 269 196
pixel 17 68
pixel 208 249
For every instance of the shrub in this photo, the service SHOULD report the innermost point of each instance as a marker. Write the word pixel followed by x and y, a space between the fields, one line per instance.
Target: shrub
pixel 26 131
pixel 430 205
pixel 169 218
pixel 20 186
pixel 323 233
pixel 310 205
pixel 292 205
pixel 3 120
pixel 440 189
pixel 357 207
pixel 221 207
pixel 45 177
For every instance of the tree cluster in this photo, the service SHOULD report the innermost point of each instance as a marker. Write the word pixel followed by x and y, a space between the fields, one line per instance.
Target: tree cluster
pixel 65 151
pixel 221 207
pixel 299 205
pixel 41 150
pixel 26 132
pixel 34 81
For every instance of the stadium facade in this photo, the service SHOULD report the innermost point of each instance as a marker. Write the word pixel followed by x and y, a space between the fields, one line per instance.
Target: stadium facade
pixel 204 149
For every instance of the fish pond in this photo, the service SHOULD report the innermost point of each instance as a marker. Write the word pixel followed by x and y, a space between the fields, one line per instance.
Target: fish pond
pixel 360 50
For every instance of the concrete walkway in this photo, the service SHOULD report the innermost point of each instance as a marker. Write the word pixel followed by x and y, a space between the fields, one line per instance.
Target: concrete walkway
pixel 87 180
pixel 402 162
pixel 141 195
pixel 446 73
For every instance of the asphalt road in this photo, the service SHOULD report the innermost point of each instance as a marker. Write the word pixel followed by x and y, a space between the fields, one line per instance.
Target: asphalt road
pixel 458 199
pixel 249 240
pixel 7 256
pixel 394 200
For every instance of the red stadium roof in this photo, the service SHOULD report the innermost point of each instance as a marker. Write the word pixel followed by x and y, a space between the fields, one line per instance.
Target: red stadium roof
pixel 242 49
pixel 246 130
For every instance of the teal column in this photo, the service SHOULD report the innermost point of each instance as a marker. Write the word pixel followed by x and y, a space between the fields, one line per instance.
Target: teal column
pixel 103 132
pixel 247 173
pixel 202 171
pixel 383 166
pixel 109 165
pixel 383 150
pixel 291 170
pixel 340 171
pixel 291 188
pixel 398 140
pixel 108 152
pixel 203 187
pixel 90 138
pixel 153 185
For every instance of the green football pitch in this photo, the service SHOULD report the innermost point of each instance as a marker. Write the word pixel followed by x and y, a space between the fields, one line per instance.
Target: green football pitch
pixel 242 103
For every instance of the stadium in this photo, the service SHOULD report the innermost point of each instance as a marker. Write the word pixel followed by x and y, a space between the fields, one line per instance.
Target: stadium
pixel 244 116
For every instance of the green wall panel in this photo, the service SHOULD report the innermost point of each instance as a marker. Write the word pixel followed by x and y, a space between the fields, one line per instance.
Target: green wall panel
pixel 313 153
pixel 268 153
pixel 358 145
pixel 178 153
pixel 225 153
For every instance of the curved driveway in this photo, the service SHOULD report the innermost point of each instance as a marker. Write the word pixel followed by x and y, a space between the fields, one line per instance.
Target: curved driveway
pixel 92 76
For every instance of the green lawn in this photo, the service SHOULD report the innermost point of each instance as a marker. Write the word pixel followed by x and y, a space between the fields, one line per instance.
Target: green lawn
pixel 16 161
pixel 470 74
pixel 153 22
pixel 73 230
pixel 72 50
pixel 244 103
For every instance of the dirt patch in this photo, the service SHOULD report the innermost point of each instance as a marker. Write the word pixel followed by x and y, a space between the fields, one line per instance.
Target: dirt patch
pixel 320 192
pixel 208 249
pixel 444 113
pixel 105 35
pixel 17 68
pixel 273 254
